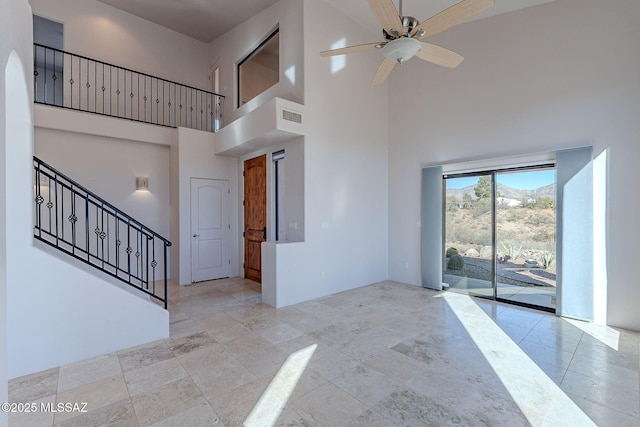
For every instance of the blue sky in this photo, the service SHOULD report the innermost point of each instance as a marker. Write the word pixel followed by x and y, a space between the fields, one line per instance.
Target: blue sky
pixel 521 180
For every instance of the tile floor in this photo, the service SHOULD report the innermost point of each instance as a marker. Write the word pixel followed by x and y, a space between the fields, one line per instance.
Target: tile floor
pixel 387 354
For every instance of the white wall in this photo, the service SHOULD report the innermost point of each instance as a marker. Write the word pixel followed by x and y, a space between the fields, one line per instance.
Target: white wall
pixel 56 313
pixel 15 63
pixel 192 156
pixel 99 31
pixel 535 80
pixel 229 49
pixel 345 167
pixel 109 166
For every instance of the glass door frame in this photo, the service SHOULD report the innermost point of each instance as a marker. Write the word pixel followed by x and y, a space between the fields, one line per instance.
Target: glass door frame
pixel 494 234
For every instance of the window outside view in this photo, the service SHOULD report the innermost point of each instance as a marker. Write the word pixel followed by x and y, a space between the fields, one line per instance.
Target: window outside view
pixel 522 265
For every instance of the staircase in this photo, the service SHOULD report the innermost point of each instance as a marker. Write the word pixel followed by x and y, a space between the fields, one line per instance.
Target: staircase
pixel 82 225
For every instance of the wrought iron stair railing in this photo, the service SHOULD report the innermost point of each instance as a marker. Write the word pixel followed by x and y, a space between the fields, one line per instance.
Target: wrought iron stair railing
pixel 81 224
pixel 76 82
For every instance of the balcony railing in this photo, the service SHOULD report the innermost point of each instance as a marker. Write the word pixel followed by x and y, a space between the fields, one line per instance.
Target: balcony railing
pixel 76 82
pixel 79 223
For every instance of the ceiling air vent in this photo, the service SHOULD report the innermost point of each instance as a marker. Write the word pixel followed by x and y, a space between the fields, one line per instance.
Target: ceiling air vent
pixel 291 116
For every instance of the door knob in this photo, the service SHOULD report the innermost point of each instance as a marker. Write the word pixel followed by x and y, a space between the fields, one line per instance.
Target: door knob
pixel 196 235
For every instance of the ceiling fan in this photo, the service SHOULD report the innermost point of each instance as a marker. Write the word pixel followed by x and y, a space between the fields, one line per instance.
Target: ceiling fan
pixel 404 34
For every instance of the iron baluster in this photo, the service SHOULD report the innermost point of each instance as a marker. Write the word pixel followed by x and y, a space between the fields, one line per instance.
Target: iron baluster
pixel 153 263
pixel 146 264
pixel 45 77
pixel 118 242
pixel 54 78
pixel 73 219
pixel 129 250
pixel 166 297
pixel 163 97
pixel 62 221
pixel 87 84
pixel 38 200
pixel 108 235
pixel 86 224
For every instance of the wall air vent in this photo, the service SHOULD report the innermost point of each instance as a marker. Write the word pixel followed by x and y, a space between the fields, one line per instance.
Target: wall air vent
pixel 291 116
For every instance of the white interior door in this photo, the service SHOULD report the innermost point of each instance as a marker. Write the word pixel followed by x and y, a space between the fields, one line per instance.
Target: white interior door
pixel 210 224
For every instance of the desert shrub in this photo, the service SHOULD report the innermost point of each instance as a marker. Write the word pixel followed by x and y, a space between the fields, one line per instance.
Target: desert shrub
pixel 515 214
pixel 511 249
pixel 543 203
pixel 481 207
pixel 453 203
pixel 467 201
pixel 537 219
pixel 544 236
pixel 548 259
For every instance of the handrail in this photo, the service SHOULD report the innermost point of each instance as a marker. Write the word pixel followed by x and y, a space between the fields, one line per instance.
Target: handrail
pixel 65 216
pixel 59 78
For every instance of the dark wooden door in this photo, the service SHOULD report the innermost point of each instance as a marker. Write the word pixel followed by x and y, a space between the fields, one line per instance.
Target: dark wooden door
pixel 255 215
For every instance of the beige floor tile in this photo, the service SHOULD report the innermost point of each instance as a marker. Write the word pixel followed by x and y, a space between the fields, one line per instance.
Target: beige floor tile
pixel 279 333
pixel 96 395
pixel 598 391
pixel 144 355
pixel 249 343
pixel 217 380
pixel 331 363
pixel 395 365
pixel 388 354
pixel 613 374
pixel 88 371
pixel 198 416
pixel 37 416
pixel 149 377
pixel 263 363
pixel 35 386
pixel 225 328
pixel 119 414
pixel 189 343
pixel 604 416
pixel 235 406
pixel 212 355
pixel 370 418
pixel 184 328
pixel 366 385
pixel 408 408
pixel 328 405
pixel 166 401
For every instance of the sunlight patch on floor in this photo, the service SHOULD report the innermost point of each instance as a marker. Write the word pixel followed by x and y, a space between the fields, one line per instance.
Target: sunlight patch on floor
pixel 275 397
pixel 603 333
pixel 537 396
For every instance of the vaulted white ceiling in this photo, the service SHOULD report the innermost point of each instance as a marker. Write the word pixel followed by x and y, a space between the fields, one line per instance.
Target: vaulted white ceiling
pixel 206 20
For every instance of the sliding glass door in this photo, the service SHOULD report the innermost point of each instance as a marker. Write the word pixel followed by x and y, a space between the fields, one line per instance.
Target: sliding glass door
pixel 500 235
pixel 468 237
pixel 526 237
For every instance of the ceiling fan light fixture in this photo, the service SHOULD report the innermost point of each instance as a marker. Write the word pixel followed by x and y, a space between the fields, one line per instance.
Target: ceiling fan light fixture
pixel 402 49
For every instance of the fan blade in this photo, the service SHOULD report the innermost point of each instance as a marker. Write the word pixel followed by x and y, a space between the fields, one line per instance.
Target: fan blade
pixel 352 49
pixel 387 15
pixel 439 55
pixel 383 71
pixel 456 14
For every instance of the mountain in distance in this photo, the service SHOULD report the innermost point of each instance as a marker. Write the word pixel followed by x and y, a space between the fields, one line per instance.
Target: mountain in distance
pixel 547 191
